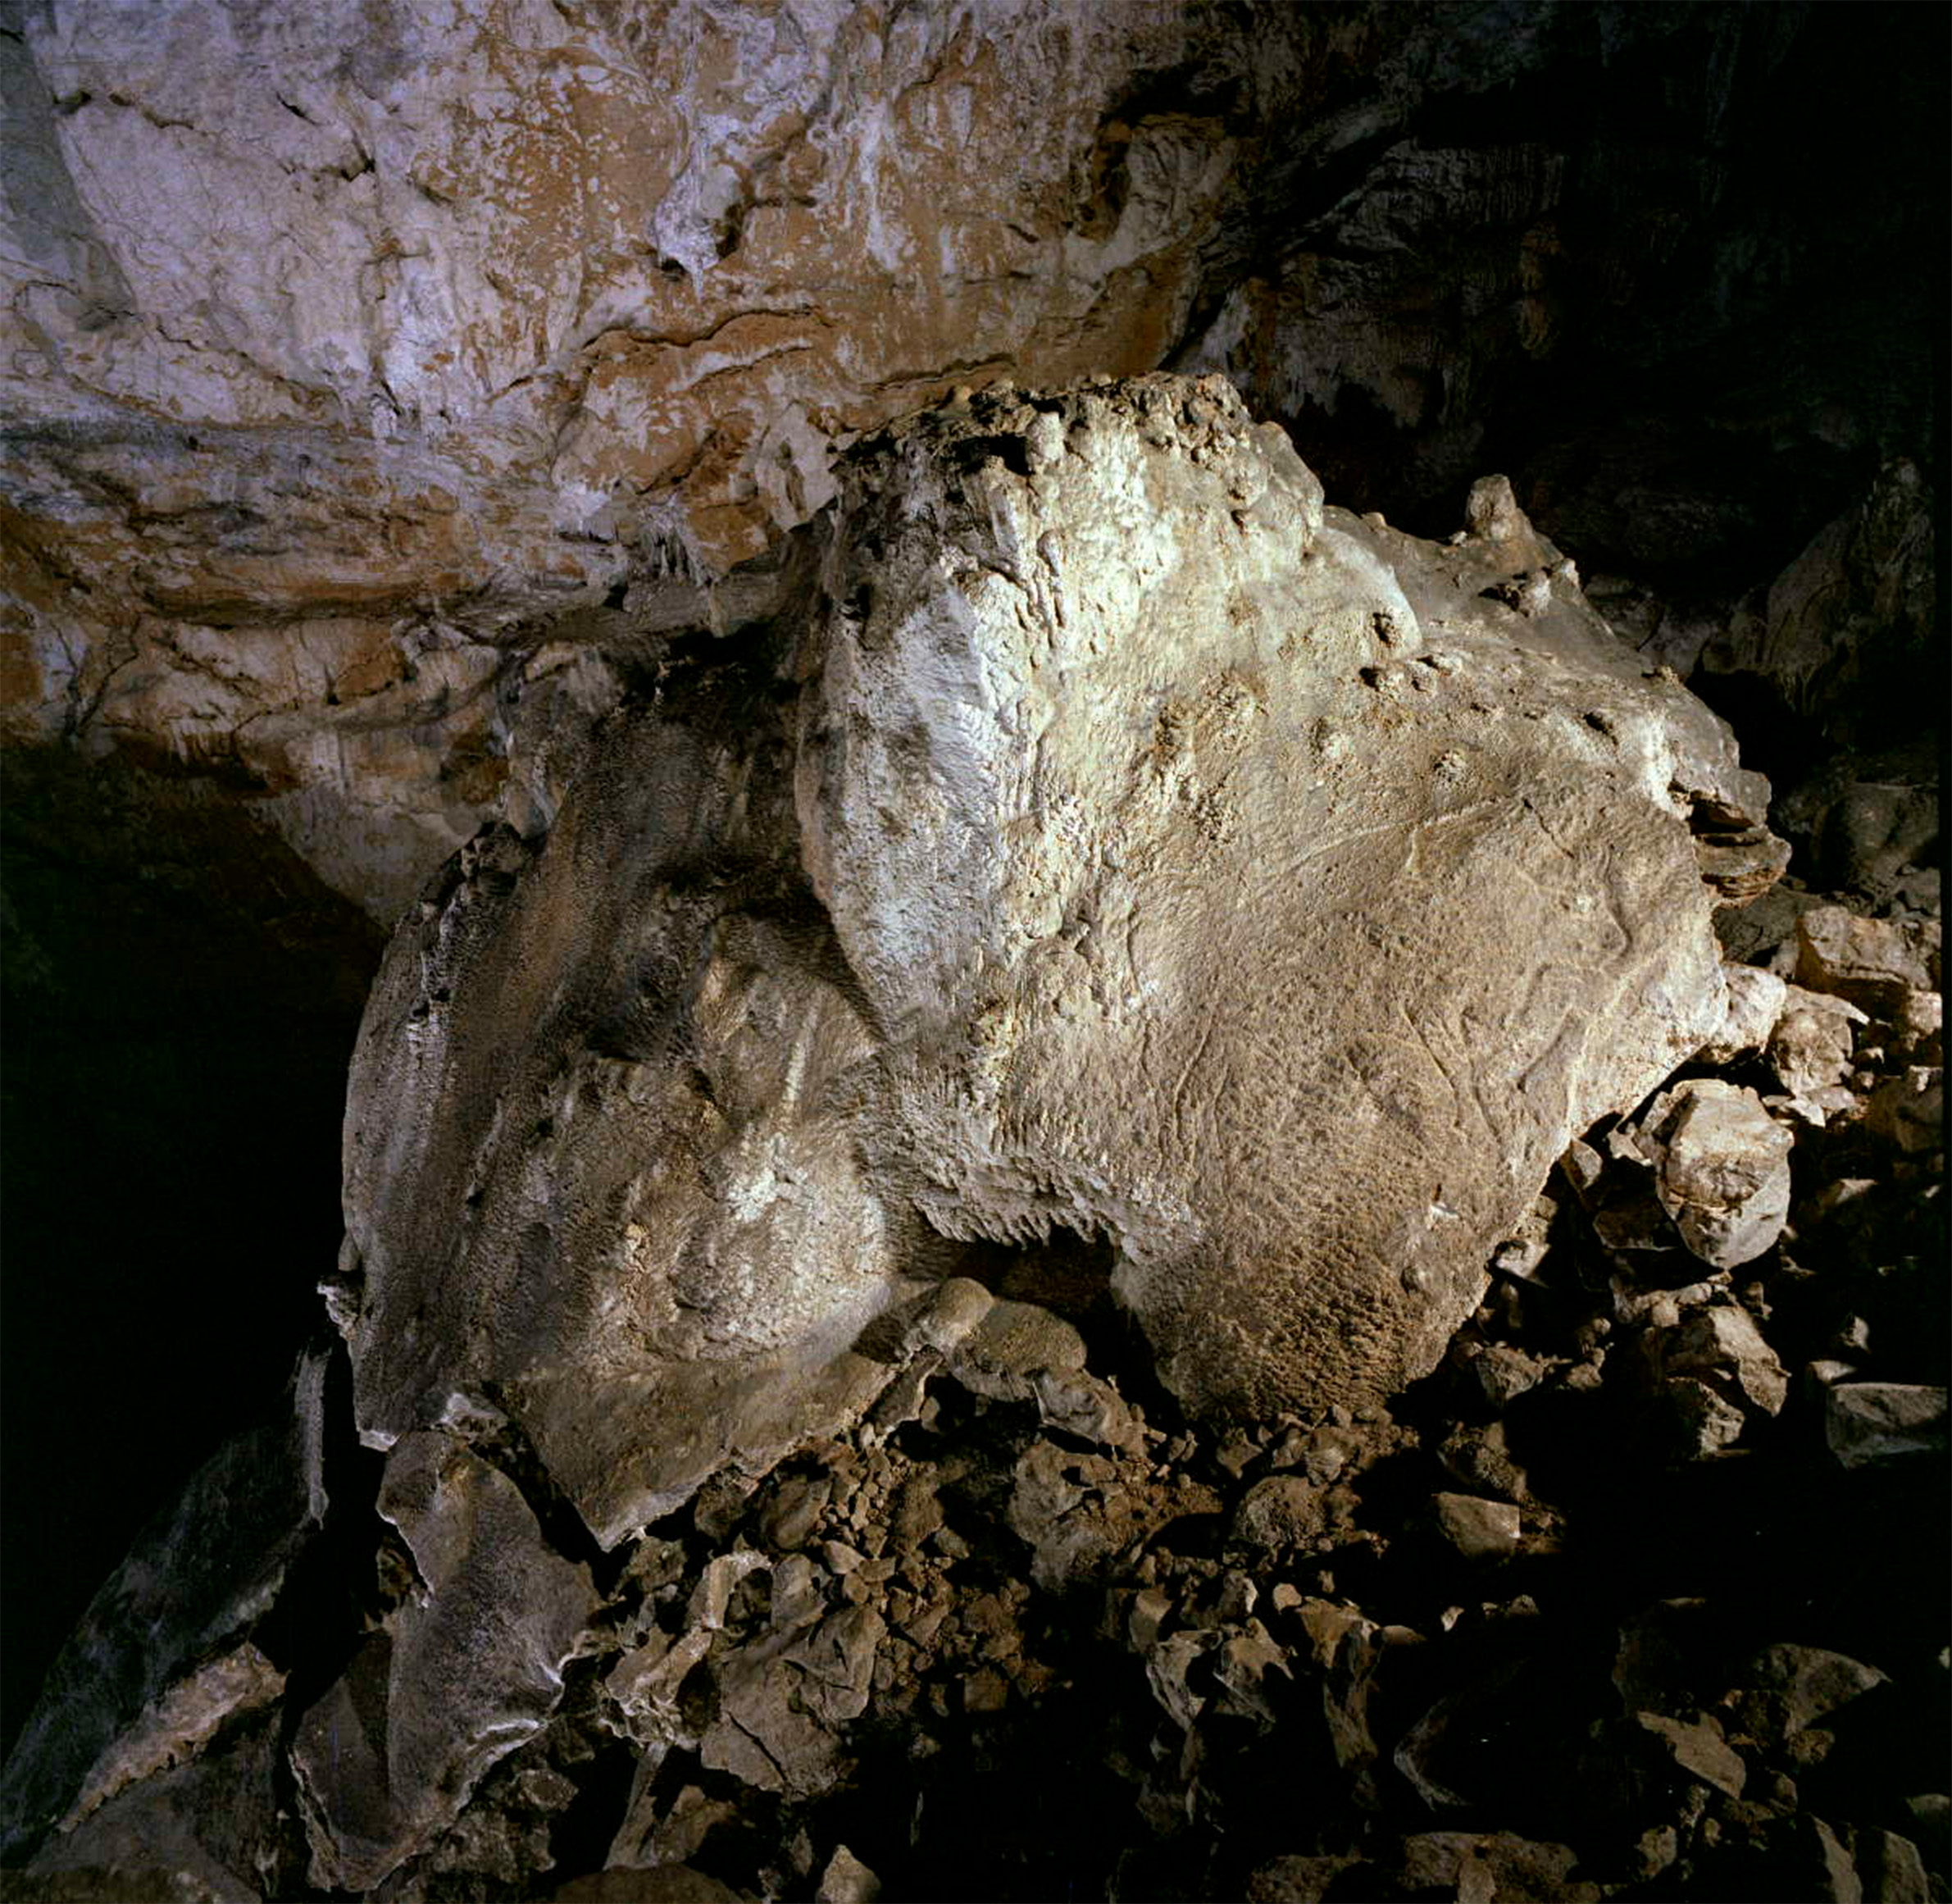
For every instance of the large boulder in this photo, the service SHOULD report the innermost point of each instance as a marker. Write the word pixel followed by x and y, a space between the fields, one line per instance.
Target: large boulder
pixel 1116 842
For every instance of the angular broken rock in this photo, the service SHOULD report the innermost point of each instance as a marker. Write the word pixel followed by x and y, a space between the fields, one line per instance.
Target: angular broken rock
pixel 136 1678
pixel 1867 1421
pixel 1811 1044
pixel 1118 842
pixel 1873 962
pixel 1723 1344
pixel 462 1674
pixel 1755 1002
pixel 1478 1528
pixel 1722 1169
pixel 1787 1687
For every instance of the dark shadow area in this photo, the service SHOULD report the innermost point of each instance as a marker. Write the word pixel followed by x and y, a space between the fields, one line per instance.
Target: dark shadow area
pixel 181 995
pixel 1684 285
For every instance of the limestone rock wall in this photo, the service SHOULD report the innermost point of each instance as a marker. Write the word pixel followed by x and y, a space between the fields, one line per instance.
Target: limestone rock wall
pixel 345 352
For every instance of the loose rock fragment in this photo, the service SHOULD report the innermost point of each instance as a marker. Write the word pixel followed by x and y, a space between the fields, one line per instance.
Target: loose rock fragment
pixel 846 1880
pixel 1723 1341
pixel 1697 1746
pixel 1722 1169
pixel 1756 1003
pixel 1478 1528
pixel 1868 1422
pixel 1811 1045
pixel 1871 963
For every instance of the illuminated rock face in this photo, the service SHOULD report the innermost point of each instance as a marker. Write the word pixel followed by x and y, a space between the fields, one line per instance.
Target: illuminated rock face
pixel 349 354
pixel 1116 841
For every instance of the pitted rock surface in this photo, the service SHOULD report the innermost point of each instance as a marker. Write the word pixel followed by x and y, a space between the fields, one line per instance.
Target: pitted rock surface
pixel 1121 843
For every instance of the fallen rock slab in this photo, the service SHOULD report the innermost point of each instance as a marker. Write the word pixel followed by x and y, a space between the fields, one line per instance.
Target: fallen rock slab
pixel 1867 1421
pixel 1871 963
pixel 1118 842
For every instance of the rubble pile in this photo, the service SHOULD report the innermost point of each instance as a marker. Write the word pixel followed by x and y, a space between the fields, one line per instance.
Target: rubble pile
pixel 1638 1596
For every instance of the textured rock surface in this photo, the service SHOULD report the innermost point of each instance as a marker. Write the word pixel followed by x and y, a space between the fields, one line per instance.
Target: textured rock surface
pixel 1612 1605
pixel 344 351
pixel 129 1691
pixel 1095 877
pixel 467 1668
pixel 385 388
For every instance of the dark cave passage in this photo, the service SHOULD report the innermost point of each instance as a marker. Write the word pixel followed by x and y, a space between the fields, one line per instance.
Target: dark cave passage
pixel 181 996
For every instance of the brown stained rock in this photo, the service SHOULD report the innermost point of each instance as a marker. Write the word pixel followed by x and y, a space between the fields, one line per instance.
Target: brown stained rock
pixel 1476 1528
pixel 1870 963
pixel 1722 1169
pixel 464 371
pixel 1283 1510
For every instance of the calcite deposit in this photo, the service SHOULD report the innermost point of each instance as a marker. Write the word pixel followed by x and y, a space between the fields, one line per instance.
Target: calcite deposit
pixel 1114 844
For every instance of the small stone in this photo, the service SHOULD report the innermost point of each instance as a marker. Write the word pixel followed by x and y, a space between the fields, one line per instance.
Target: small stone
pixel 1236 1455
pixel 1709 1423
pixel 1504 1373
pixel 1151 1607
pixel 1478 1528
pixel 788 1518
pixel 1480 1458
pixel 986 1691
pixel 1722 1166
pixel 1865 1422
pixel 1279 1511
pixel 1697 1746
pixel 1909 1111
pixel 846 1880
